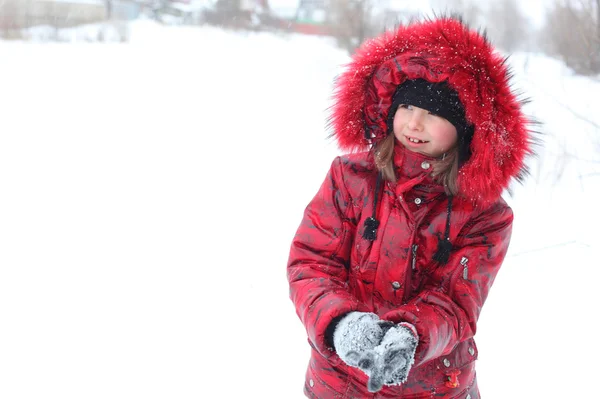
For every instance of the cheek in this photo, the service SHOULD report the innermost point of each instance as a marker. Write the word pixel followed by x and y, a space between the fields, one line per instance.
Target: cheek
pixel 450 140
pixel 446 135
pixel 397 125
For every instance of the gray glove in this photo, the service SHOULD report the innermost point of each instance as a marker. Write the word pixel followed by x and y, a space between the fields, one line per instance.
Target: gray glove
pixel 389 363
pixel 358 333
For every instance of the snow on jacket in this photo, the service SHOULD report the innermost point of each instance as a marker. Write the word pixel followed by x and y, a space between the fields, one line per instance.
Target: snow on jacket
pixel 333 270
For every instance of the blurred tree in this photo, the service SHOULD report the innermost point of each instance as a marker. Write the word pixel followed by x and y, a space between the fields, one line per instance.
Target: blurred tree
pixel 572 32
pixel 109 9
pixel 228 13
pixel 469 10
pixel 228 6
pixel 507 26
pixel 351 22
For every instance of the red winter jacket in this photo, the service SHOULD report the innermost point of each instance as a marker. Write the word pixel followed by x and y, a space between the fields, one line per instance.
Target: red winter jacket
pixel 333 270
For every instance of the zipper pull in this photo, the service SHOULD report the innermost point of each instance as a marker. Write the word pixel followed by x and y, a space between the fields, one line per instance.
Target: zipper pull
pixel 464 261
pixel 452 379
pixel 414 256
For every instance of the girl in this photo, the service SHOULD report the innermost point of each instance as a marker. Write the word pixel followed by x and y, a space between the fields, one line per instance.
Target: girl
pixel 396 253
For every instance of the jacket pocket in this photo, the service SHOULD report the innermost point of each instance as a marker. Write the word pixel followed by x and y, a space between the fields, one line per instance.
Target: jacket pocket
pixel 344 247
pixel 448 377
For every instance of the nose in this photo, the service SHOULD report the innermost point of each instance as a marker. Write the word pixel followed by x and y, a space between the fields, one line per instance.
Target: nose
pixel 416 119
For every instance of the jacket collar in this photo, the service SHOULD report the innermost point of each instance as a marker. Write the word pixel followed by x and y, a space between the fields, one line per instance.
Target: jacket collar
pixel 410 164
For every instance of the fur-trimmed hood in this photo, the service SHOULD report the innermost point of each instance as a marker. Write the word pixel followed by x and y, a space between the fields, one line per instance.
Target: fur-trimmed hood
pixel 443 49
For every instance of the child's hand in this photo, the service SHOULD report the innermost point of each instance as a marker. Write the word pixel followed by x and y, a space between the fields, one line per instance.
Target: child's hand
pixel 356 334
pixel 389 363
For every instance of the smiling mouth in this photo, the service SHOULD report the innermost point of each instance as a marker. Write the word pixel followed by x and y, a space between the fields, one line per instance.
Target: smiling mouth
pixel 416 141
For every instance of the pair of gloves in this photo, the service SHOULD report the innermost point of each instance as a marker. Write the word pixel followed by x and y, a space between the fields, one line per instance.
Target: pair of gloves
pixel 384 351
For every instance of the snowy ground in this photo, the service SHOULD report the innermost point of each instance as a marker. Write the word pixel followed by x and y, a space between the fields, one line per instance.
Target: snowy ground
pixel 150 192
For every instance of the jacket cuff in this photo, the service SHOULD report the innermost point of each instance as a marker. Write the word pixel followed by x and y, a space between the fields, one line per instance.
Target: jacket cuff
pixel 331 329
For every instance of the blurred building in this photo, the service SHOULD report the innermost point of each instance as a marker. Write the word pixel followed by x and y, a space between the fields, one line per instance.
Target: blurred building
pixel 20 14
pixel 313 16
pixel 309 17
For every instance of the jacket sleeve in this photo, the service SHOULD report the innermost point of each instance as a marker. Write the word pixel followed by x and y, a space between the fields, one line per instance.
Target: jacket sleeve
pixel 319 257
pixel 446 311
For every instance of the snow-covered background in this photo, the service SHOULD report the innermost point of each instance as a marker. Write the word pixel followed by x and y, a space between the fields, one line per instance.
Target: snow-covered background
pixel 149 193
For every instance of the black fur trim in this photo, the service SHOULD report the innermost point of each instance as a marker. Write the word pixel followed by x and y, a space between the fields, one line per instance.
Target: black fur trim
pixel 371 225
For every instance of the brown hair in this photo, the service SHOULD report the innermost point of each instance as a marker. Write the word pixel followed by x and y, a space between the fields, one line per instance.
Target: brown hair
pixel 445 169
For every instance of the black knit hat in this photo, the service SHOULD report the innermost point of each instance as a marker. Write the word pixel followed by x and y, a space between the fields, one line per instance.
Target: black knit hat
pixel 439 99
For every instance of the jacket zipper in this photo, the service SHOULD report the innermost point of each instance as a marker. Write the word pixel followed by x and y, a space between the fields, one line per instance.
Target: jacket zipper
pixel 414 256
pixel 464 261
pixel 409 273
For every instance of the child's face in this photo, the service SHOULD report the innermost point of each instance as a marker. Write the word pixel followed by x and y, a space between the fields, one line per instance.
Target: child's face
pixel 420 131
